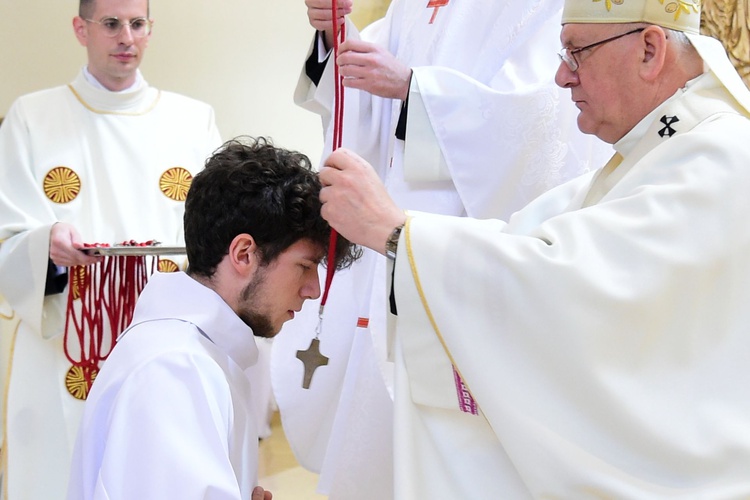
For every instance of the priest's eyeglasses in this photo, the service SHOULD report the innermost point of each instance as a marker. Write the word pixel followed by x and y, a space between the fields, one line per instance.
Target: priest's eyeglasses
pixel 139 27
pixel 568 56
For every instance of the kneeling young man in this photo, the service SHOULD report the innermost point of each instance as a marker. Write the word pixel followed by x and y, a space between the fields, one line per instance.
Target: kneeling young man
pixel 170 414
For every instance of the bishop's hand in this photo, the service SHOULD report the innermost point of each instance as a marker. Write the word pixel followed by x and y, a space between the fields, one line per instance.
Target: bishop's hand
pixel 355 202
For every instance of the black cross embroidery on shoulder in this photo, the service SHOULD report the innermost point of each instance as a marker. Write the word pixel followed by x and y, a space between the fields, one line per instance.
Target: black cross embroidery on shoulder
pixel 668 130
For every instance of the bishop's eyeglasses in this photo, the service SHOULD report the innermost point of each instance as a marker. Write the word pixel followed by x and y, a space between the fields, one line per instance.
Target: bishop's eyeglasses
pixel 568 56
pixel 139 26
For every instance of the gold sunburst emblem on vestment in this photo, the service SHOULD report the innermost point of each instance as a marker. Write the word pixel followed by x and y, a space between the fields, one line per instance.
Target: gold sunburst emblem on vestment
pixel 79 379
pixel 77 281
pixel 175 182
pixel 167 266
pixel 62 185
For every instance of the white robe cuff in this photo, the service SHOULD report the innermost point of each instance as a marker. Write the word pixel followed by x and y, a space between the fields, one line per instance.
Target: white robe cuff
pixel 20 255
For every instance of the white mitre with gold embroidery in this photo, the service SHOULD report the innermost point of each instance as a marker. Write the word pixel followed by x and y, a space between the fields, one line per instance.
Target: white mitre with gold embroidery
pixel 678 15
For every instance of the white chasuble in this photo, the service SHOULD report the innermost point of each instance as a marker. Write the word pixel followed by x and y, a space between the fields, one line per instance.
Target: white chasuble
pixel 117 166
pixel 606 346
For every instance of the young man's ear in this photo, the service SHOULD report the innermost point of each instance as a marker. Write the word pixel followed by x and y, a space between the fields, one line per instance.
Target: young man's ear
pixel 243 254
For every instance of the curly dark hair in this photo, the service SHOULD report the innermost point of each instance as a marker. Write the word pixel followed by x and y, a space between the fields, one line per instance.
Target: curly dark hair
pixel 250 186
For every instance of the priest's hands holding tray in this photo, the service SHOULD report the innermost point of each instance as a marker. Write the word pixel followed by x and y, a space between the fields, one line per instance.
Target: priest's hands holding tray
pixel 65 247
pixel 355 202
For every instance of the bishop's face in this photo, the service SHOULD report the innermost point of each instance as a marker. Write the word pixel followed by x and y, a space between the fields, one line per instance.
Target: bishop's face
pixel 113 60
pixel 278 290
pixel 605 87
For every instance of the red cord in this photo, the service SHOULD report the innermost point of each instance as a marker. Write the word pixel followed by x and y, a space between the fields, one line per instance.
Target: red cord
pixel 109 288
pixel 339 35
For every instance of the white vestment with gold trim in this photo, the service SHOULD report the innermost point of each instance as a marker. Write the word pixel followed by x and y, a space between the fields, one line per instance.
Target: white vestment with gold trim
pixel 125 160
pixel 606 346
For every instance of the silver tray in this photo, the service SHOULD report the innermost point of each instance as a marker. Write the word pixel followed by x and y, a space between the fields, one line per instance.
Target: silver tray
pixel 135 251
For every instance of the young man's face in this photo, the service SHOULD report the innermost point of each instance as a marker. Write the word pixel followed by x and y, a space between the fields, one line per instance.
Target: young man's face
pixel 277 291
pixel 114 60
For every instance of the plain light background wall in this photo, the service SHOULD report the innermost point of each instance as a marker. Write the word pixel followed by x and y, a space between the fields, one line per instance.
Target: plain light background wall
pixel 241 56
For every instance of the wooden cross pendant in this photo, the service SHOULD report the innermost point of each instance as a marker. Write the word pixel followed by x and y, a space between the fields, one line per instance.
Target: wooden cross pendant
pixel 312 359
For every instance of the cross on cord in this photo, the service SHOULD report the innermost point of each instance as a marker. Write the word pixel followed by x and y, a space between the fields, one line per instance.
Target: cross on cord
pixel 312 359
pixel 436 4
